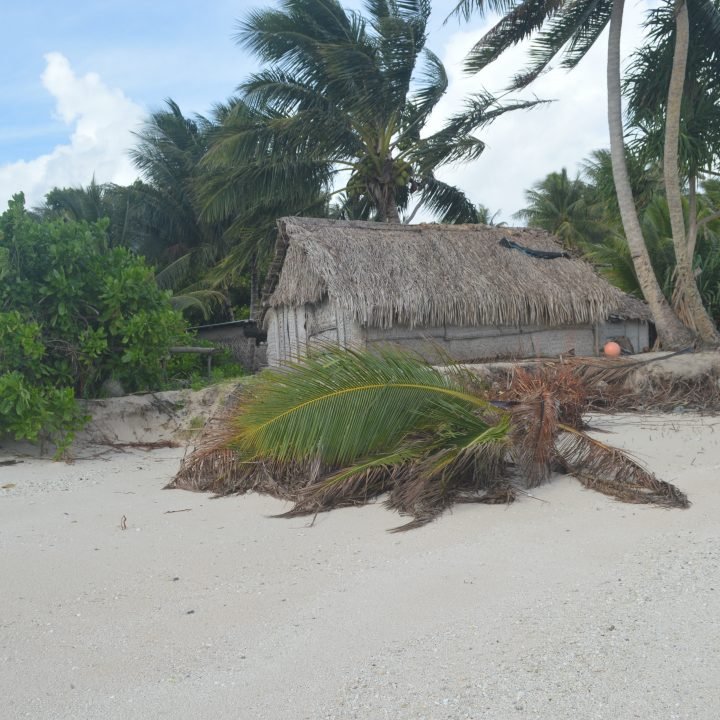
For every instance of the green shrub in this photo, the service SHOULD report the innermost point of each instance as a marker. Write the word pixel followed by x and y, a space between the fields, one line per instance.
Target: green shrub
pixel 73 314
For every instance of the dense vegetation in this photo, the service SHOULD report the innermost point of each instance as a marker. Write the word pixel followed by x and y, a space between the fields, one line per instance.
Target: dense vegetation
pixel 333 125
pixel 74 313
pixel 583 212
pixel 672 91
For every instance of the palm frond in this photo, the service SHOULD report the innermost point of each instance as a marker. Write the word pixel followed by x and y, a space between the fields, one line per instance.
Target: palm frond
pixel 465 8
pixel 574 26
pixel 448 203
pixel 612 472
pixel 342 406
pixel 343 427
pixel 520 20
pixel 201 300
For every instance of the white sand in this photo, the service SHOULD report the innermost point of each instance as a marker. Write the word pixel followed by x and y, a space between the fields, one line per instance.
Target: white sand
pixel 575 607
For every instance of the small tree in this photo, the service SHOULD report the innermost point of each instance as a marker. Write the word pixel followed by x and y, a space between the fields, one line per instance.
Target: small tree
pixel 73 314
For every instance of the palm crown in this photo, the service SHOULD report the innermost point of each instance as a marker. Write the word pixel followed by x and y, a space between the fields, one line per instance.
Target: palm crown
pixel 343 99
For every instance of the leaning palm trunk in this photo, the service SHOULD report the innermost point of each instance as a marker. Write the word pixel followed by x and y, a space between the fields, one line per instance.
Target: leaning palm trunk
pixel 348 426
pixel 688 295
pixel 671 332
pixel 679 302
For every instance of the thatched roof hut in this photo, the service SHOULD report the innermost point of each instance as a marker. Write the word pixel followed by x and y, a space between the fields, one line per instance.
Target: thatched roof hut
pixel 419 277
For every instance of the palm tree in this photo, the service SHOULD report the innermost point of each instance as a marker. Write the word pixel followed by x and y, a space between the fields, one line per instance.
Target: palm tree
pixel 96 202
pixel 347 426
pixel 612 255
pixel 244 183
pixel 171 231
pixel 691 143
pixel 572 27
pixel 487 217
pixel 645 181
pixel 343 101
pixel 565 208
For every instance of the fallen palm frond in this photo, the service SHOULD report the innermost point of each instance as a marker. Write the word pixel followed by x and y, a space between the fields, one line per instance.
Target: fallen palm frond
pixel 539 402
pixel 609 470
pixel 141 445
pixel 347 426
pixel 660 383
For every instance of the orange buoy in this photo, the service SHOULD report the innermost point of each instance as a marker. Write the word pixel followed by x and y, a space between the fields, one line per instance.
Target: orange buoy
pixel 612 349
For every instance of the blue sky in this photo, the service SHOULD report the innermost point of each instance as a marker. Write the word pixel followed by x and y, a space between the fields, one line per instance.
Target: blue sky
pixel 79 76
pixel 149 50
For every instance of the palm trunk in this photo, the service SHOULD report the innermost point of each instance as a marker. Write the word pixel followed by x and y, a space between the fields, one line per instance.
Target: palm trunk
pixel 692 216
pixel 671 332
pixel 385 203
pixel 678 297
pixel 391 209
pixel 688 293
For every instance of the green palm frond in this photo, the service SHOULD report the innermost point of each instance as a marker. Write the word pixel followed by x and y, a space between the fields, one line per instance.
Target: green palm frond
pixel 344 405
pixel 571 28
pixel 431 86
pixel 466 8
pixel 200 300
pixel 448 203
pixel 520 20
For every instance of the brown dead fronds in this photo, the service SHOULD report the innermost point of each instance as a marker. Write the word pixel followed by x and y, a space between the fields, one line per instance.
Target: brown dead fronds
pixel 290 436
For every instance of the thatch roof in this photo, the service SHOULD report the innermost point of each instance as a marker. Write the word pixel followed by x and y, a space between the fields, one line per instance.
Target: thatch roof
pixel 632 309
pixel 430 275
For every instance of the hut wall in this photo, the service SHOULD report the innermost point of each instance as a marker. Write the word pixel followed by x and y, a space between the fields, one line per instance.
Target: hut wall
pixel 466 344
pixel 636 331
pixel 290 330
pixel 285 334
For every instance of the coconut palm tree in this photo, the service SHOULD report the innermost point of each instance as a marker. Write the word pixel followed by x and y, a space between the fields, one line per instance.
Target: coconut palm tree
pixel 692 141
pixel 346 426
pixel 171 232
pixel 645 181
pixel 567 208
pixel 167 154
pixel 244 183
pixel 94 202
pixel 613 260
pixel 343 100
pixel 571 27
pixel 487 217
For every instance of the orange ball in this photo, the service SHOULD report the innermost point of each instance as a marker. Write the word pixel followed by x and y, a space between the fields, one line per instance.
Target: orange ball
pixel 612 349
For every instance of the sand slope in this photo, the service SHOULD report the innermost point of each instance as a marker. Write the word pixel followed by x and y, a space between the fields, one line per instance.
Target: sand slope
pixel 571 606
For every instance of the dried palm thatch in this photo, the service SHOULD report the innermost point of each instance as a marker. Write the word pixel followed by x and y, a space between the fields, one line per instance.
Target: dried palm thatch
pixel 659 383
pixel 344 427
pixel 430 275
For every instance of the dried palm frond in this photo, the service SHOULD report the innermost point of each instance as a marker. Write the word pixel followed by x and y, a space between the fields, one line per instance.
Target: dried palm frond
pixel 612 472
pixel 344 427
pixel 625 383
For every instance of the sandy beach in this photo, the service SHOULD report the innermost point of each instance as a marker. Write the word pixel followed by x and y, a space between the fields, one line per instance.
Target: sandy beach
pixel 567 605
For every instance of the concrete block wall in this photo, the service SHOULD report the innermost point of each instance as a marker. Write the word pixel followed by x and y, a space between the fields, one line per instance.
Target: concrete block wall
pixel 467 344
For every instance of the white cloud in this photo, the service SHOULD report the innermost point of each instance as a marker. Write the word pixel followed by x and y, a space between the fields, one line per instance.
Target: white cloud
pixel 100 120
pixel 524 146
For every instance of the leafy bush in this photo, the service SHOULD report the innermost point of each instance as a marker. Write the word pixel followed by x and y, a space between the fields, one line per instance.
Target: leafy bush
pixel 29 404
pixel 73 314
